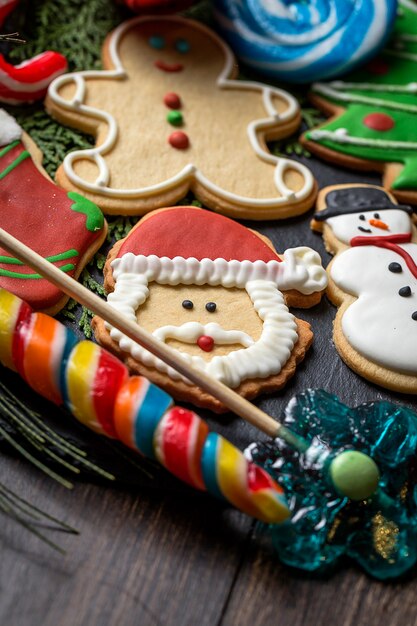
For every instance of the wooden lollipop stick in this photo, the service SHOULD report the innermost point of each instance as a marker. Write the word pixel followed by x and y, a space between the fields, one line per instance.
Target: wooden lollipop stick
pixel 78 292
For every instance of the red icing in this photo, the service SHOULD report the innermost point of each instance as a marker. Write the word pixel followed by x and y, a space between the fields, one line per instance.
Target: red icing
pixel 162 5
pixel 172 100
pixel 34 70
pixel 205 343
pixel 37 212
pixel 168 67
pixel 6 8
pixel 390 243
pixel 179 140
pixel 379 67
pixel 111 374
pixel 192 232
pixel 184 434
pixel 379 121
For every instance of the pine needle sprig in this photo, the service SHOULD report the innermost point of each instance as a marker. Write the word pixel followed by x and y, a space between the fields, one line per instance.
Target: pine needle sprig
pixel 76 29
pixel 36 437
pixel 31 517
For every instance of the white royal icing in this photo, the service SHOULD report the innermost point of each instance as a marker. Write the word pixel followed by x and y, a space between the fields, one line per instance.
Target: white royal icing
pixel 379 324
pixel 9 128
pixel 263 358
pixel 101 185
pixel 346 226
pixel 301 269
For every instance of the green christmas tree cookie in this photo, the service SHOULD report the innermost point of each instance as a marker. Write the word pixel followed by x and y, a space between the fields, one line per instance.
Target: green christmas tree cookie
pixel 374 123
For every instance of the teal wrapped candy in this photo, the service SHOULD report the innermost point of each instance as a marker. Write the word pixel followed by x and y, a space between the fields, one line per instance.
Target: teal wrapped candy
pixel 380 532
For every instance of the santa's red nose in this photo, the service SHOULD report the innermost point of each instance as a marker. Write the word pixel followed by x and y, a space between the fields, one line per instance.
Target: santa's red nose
pixel 205 343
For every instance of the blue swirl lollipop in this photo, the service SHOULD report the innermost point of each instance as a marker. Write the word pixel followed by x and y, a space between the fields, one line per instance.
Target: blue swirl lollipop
pixel 305 41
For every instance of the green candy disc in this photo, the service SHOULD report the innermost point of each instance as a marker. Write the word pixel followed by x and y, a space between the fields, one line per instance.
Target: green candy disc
pixel 175 118
pixel 354 475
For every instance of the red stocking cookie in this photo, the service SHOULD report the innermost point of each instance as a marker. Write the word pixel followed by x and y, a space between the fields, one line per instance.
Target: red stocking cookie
pixel 65 228
pixel 211 289
pixel 168 117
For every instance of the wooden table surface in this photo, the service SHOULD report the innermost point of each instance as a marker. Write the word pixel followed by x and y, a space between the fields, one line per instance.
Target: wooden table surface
pixel 151 553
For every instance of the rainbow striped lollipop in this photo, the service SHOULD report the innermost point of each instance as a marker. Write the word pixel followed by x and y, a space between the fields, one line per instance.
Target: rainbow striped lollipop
pixel 97 389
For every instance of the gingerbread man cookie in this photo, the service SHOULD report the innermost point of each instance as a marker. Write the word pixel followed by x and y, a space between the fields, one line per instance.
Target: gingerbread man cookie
pixel 373 280
pixel 168 117
pixel 213 290
pixel 65 228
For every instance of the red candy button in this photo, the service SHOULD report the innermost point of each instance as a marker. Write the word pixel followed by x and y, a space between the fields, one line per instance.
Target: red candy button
pixel 179 140
pixel 172 100
pixel 379 121
pixel 206 343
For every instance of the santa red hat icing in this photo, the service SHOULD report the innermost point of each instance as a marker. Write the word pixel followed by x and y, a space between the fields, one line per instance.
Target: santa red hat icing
pixel 193 246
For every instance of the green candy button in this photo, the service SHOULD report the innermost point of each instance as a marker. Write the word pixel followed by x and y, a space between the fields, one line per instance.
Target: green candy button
pixel 354 475
pixel 175 118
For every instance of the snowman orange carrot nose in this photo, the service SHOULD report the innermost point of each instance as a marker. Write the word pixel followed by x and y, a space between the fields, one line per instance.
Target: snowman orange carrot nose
pixel 206 343
pixel 379 224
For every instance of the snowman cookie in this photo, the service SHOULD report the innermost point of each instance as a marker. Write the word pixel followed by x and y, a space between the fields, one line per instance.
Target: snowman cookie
pixel 168 117
pixel 373 280
pixel 219 294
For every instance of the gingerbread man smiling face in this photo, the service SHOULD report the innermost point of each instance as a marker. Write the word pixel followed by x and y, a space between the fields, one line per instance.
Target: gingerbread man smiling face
pixel 168 117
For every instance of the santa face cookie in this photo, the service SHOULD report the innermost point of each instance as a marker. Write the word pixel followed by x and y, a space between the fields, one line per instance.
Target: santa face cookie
pixel 65 228
pixel 168 117
pixel 373 278
pixel 213 290
pixel 374 113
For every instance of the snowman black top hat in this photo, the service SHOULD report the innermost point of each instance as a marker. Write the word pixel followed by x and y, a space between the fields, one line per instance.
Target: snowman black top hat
pixel 356 200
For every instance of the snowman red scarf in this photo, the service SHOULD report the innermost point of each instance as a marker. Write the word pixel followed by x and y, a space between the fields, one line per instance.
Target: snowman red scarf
pixel 389 242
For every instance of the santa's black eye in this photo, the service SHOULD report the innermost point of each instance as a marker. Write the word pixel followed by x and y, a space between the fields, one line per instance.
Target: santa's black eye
pixel 395 268
pixel 187 304
pixel 377 216
pixel 405 292
pixel 362 217
pixel 211 307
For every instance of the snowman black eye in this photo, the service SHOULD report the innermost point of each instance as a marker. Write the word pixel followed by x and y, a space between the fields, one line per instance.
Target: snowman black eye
pixel 395 268
pixel 187 304
pixel 405 292
pixel 211 307
pixel 414 316
pixel 362 217
pixel 377 216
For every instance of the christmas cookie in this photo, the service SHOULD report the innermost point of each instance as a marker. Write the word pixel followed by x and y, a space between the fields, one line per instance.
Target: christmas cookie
pixel 168 117
pixel 375 113
pixel 373 280
pixel 216 292
pixel 304 41
pixel 63 227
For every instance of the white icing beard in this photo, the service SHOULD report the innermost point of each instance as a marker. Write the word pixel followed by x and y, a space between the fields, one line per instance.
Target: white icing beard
pixel 346 227
pixel 259 359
